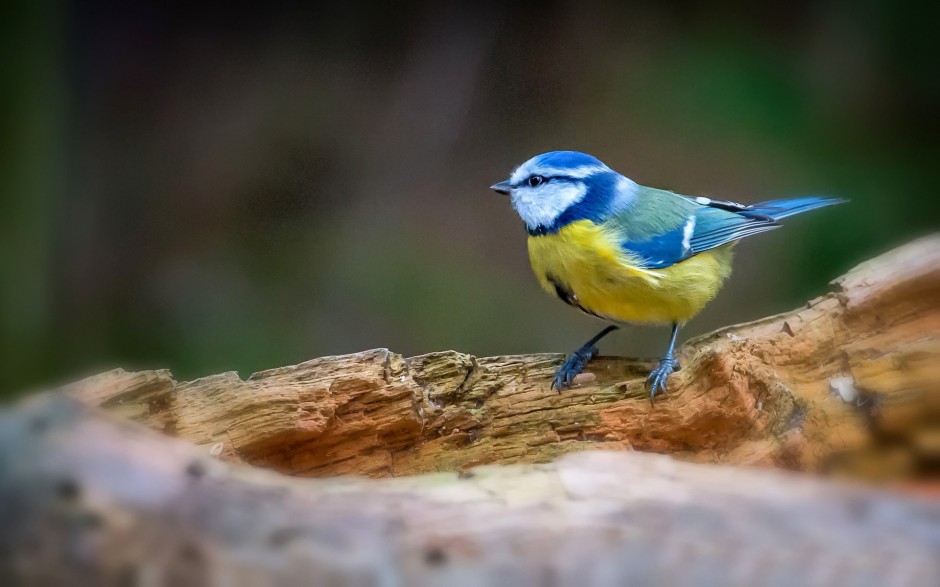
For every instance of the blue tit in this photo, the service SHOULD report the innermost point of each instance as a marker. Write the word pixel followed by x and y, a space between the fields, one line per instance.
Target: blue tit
pixel 627 253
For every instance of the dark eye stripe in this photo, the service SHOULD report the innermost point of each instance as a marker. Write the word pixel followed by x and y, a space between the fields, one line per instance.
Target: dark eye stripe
pixel 552 179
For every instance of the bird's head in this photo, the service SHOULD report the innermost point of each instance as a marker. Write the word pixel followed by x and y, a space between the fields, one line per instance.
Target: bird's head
pixel 547 186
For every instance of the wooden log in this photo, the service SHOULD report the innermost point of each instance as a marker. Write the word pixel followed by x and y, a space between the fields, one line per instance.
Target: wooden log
pixel 90 499
pixel 849 383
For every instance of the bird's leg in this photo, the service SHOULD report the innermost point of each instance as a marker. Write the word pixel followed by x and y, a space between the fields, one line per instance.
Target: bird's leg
pixel 575 363
pixel 657 378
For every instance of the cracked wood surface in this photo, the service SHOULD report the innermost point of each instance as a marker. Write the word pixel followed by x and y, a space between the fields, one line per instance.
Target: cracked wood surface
pixel 846 383
pixel 89 499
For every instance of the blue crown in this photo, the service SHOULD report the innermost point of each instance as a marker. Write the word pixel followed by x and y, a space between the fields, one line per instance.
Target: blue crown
pixel 567 160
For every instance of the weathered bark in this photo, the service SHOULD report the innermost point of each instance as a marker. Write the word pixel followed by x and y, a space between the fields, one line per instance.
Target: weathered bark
pixel 89 499
pixel 766 392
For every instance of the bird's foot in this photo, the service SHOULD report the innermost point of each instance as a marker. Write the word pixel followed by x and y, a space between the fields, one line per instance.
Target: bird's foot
pixel 573 365
pixel 658 377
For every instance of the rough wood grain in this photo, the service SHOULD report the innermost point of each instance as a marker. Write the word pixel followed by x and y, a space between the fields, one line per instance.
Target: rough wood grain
pixel 89 499
pixel 766 393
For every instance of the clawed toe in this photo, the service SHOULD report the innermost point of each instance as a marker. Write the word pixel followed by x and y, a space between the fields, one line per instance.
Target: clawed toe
pixel 658 377
pixel 575 363
pixel 572 366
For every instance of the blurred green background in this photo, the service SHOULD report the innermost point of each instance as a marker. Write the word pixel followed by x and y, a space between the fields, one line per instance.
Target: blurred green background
pixel 215 189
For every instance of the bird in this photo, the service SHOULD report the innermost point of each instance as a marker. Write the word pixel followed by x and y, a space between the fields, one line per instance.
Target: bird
pixel 627 253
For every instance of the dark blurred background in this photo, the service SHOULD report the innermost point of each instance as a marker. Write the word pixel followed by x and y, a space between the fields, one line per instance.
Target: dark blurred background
pixel 216 189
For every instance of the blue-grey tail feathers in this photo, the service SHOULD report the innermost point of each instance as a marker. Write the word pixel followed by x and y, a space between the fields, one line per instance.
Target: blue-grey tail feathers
pixel 779 209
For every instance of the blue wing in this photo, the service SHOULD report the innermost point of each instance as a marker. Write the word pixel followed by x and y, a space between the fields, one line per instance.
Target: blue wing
pixel 706 224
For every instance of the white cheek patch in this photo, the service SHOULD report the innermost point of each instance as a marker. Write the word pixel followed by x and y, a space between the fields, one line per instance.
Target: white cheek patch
pixel 542 205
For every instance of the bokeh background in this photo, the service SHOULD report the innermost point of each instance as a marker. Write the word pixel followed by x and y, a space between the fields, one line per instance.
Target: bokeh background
pixel 211 189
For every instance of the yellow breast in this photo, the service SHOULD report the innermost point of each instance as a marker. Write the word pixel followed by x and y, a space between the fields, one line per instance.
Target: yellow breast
pixel 586 265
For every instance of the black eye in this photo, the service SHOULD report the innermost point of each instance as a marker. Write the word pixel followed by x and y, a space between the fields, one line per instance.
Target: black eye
pixel 535 181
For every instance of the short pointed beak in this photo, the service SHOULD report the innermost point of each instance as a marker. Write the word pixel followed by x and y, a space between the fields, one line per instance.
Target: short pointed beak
pixel 502 187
